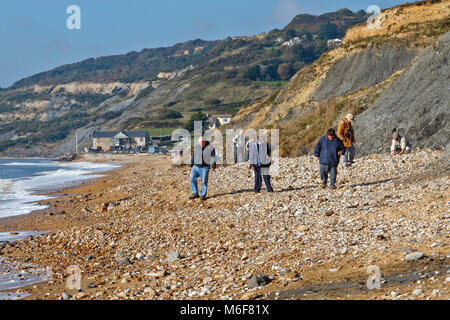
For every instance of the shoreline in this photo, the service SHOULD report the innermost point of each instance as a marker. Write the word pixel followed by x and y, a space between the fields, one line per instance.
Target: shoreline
pixel 149 217
pixel 54 194
pixel 11 223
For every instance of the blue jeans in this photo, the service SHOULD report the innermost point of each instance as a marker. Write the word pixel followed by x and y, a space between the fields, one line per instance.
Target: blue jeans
pixel 202 173
pixel 325 170
pixel 349 155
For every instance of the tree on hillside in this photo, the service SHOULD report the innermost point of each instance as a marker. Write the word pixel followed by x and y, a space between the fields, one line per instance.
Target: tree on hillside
pixel 307 34
pixel 253 73
pixel 198 116
pixel 285 71
pixel 291 33
pixel 271 72
pixel 328 31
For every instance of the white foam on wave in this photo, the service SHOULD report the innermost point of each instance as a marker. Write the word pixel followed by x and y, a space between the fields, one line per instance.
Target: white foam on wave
pixel 35 164
pixel 16 199
pixel 17 196
pixel 89 165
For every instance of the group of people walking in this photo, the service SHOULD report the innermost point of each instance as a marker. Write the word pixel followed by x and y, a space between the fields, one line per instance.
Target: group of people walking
pixel 328 150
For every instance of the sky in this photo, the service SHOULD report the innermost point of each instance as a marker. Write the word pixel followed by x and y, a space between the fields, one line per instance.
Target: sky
pixel 35 37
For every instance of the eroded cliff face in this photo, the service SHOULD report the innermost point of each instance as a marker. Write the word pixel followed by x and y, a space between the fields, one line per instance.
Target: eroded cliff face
pixel 53 101
pixel 57 110
pixel 391 77
pixel 417 103
pixel 92 88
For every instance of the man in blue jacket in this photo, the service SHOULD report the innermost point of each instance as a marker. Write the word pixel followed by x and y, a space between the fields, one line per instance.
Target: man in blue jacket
pixel 328 150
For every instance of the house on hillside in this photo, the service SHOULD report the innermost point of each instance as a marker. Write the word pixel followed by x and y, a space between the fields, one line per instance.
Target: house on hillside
pixel 120 140
pixel 294 41
pixel 333 43
pixel 278 40
pixel 215 121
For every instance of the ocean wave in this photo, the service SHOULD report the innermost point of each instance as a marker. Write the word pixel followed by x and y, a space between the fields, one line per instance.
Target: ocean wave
pixel 18 196
pixel 90 165
pixel 16 199
pixel 35 164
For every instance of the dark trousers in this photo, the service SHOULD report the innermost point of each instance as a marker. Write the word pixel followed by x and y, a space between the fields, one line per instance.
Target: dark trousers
pixel 258 180
pixel 238 154
pixel 325 170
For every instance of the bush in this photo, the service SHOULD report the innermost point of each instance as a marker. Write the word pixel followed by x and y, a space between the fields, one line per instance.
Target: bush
pixel 168 114
pixel 198 116
pixel 291 33
pixel 253 73
pixel 285 71
pixel 328 31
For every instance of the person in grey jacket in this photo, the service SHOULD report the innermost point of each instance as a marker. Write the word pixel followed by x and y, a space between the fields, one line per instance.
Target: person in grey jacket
pixel 259 158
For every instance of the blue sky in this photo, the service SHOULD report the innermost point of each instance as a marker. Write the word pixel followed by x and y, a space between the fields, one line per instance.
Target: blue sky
pixel 34 36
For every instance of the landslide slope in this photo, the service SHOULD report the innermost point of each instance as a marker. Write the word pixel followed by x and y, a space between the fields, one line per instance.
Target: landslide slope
pixel 395 76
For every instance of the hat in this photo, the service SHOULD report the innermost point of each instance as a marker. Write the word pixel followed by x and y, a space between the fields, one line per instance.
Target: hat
pixel 349 117
pixel 395 135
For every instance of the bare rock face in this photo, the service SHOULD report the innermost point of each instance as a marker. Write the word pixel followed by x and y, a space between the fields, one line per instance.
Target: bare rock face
pixel 363 69
pixel 417 103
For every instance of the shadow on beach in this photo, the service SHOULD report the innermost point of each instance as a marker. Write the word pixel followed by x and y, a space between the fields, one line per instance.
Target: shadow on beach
pixel 363 184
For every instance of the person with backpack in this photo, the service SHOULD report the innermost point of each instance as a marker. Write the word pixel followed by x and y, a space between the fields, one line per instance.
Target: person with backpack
pixel 201 162
pixel 347 135
pixel 400 145
pixel 328 150
pixel 259 158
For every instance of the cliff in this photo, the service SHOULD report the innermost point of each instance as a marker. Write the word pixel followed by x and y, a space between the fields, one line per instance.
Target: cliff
pixel 396 76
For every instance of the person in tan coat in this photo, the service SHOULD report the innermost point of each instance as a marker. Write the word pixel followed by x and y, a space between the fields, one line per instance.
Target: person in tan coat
pixel 347 135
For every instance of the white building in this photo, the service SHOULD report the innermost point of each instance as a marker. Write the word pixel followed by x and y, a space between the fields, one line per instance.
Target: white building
pixel 333 43
pixel 216 121
pixel 279 39
pixel 292 42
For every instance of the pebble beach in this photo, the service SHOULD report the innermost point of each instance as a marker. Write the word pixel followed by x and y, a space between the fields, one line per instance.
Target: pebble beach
pixel 134 234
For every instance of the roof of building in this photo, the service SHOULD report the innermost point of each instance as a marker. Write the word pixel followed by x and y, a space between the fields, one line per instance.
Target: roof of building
pixel 112 134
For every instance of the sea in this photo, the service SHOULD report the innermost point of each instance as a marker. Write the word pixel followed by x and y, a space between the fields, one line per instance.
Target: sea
pixel 24 181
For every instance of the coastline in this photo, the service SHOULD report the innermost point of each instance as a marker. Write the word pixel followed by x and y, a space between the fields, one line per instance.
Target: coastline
pixel 74 188
pixel 123 249
pixel 57 193
pixel 34 223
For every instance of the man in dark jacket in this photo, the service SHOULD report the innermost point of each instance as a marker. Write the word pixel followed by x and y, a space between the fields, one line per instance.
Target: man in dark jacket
pixel 204 157
pixel 328 150
pixel 258 154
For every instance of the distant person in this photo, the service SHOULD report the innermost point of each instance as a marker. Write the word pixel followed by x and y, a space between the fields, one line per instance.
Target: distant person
pixel 238 141
pixel 204 157
pixel 400 145
pixel 347 135
pixel 259 157
pixel 328 150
